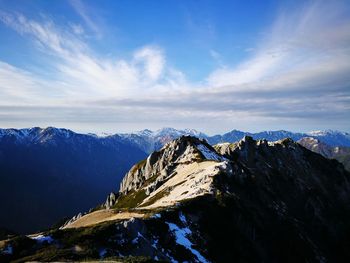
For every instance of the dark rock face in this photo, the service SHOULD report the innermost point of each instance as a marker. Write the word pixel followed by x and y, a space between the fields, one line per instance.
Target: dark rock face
pixel 291 204
pixel 280 203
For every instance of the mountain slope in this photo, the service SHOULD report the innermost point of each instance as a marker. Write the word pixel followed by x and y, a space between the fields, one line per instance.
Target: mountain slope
pixel 69 164
pixel 342 154
pixel 250 201
pixel 48 174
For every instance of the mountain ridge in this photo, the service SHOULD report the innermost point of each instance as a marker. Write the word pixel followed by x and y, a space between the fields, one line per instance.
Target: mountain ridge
pixel 269 202
pixel 332 137
pixel 40 147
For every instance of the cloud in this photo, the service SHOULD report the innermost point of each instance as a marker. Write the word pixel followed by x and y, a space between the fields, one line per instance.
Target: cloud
pixel 297 74
pixel 85 74
pixel 153 60
pixel 77 29
pixel 217 57
pixel 85 13
pixel 300 47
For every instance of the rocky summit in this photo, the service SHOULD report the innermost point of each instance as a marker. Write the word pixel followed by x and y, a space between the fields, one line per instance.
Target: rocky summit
pixel 249 201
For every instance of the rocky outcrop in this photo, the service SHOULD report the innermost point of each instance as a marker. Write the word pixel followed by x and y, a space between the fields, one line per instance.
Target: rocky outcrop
pixel 160 164
pixel 174 166
pixel 111 199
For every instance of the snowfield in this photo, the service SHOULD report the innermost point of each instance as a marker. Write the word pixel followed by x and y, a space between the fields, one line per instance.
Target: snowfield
pixel 188 181
pixel 209 154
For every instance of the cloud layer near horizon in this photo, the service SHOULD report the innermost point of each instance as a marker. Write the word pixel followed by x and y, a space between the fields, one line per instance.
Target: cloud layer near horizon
pixel 298 74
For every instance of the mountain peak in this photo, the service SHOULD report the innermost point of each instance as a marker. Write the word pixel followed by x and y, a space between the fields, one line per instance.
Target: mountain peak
pixel 191 163
pixel 183 168
pixel 145 132
pixel 327 132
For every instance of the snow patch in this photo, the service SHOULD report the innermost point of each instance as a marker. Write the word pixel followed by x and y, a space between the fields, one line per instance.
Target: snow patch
pixel 41 238
pixel 183 218
pixel 136 239
pixel 155 243
pixel 181 238
pixel 209 154
pixel 156 216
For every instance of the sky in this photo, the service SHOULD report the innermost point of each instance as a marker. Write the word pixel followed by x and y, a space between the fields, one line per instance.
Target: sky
pixel 214 66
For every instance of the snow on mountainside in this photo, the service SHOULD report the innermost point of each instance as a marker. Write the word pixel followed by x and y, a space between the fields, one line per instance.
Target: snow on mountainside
pixel 148 140
pixel 332 138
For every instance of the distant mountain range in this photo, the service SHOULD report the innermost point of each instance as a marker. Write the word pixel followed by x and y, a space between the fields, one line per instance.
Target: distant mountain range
pixel 47 174
pixel 149 140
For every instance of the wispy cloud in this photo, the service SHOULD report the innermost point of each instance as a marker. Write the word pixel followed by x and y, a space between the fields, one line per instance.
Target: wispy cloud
pixel 301 47
pixel 298 73
pixel 82 72
pixel 85 13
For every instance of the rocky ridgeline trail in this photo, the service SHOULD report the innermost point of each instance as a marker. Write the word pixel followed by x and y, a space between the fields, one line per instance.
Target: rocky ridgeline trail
pixel 250 201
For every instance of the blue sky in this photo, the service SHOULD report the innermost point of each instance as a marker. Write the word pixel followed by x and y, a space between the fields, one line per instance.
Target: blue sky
pixel 111 66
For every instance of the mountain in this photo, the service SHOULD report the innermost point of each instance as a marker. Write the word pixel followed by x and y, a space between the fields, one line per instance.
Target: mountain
pixel 48 174
pixel 333 138
pixel 342 154
pixel 249 201
pixel 44 160
pixel 149 141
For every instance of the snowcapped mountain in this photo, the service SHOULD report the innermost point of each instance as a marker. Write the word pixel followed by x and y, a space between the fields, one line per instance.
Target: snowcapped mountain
pixel 251 201
pixel 332 138
pixel 35 135
pixel 149 141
